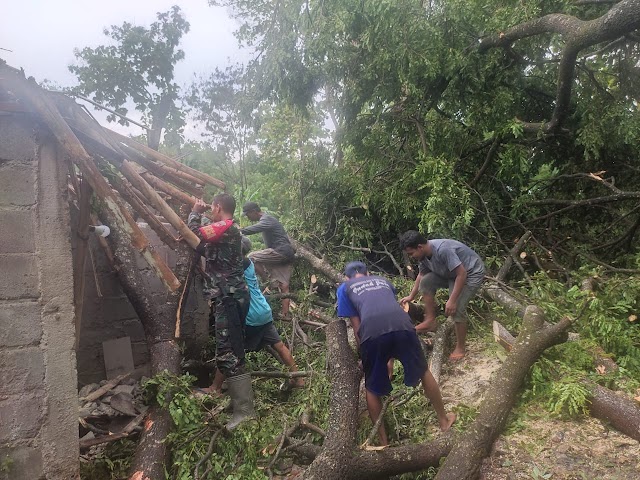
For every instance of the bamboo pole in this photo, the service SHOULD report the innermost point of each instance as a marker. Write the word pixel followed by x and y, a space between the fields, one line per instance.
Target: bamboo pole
pixel 207 179
pixel 109 148
pixel 182 180
pixel 132 199
pixel 129 171
pixel 170 190
pixel 69 143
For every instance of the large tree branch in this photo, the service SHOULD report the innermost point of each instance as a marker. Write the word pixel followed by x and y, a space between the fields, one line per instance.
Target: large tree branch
pixel 621 19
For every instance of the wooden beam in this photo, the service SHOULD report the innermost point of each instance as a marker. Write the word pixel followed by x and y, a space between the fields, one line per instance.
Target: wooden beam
pixel 80 258
pixel 182 180
pixel 132 199
pixel 119 216
pixel 159 157
pixel 167 188
pixel 108 148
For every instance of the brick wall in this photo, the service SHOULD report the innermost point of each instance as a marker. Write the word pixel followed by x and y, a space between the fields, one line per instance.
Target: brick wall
pixel 38 396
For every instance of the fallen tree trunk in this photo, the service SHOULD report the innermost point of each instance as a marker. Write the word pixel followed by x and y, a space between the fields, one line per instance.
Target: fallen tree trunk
pixel 157 315
pixel 440 343
pixel 465 459
pixel 339 459
pixel 317 263
pixel 622 413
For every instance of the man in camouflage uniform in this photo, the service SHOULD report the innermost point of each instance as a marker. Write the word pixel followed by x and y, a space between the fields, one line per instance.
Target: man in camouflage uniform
pixel 229 296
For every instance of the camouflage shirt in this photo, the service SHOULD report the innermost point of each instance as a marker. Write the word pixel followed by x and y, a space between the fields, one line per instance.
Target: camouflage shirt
pixel 223 257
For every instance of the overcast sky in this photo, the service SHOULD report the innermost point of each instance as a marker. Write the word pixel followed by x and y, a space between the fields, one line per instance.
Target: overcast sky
pixel 42 34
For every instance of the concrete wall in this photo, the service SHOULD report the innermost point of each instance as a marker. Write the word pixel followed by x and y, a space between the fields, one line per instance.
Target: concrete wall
pixel 38 384
pixel 107 313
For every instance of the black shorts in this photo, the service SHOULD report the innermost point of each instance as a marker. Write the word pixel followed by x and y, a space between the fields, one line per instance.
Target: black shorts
pixel 376 352
pixel 256 338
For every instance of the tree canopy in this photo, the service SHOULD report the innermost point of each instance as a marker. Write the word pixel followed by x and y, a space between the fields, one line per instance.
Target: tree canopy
pixel 137 67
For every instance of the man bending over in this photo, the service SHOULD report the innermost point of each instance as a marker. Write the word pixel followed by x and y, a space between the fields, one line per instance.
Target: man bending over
pixel 384 331
pixel 448 264
pixel 276 261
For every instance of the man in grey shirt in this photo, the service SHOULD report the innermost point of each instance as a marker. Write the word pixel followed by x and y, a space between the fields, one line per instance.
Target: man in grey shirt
pixel 275 262
pixel 444 263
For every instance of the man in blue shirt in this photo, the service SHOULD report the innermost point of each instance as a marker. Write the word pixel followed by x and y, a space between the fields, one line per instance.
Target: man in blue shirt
pixel 259 329
pixel 449 264
pixel 384 331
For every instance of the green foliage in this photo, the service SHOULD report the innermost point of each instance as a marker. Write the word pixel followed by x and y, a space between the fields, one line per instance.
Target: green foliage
pixel 244 453
pixel 568 395
pixel 556 379
pixel 139 67
pixel 110 463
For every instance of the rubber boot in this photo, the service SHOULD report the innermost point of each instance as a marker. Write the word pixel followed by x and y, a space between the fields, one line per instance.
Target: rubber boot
pixel 241 393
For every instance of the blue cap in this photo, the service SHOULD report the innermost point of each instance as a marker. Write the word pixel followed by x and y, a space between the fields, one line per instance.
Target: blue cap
pixel 354 267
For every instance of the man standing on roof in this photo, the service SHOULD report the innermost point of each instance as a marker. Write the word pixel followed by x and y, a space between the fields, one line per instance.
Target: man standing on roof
pixel 385 331
pixel 225 287
pixel 275 262
pixel 444 263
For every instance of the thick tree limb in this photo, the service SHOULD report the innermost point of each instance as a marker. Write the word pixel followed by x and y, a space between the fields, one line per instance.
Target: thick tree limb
pixel 622 413
pixel 622 18
pixel 465 459
pixel 317 263
pixel 513 256
pixel 440 344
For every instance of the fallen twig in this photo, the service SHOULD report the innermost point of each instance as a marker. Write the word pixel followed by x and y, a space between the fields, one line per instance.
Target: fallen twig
pixel 207 456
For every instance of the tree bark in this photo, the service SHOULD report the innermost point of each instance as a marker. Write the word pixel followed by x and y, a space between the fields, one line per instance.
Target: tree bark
pixel 440 344
pixel 318 264
pixel 621 412
pixel 465 459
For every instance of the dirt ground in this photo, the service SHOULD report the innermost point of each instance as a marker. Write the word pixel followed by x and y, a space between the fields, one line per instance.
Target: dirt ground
pixel 542 447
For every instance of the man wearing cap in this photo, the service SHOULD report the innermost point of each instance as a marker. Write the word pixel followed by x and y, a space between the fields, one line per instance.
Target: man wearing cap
pixel 444 263
pixel 384 331
pixel 276 261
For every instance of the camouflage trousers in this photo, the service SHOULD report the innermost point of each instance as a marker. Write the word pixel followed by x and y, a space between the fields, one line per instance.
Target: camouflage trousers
pixel 227 319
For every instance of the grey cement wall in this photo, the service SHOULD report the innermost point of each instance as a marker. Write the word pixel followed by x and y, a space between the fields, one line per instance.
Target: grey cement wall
pixel 38 383
pixel 108 314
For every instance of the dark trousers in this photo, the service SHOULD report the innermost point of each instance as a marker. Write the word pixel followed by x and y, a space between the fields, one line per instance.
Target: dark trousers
pixel 229 313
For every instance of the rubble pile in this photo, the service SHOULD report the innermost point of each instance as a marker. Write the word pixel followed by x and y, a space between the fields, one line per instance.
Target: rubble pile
pixel 110 410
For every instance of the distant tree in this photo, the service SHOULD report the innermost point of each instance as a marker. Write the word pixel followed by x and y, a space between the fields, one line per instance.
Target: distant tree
pixel 223 104
pixel 138 68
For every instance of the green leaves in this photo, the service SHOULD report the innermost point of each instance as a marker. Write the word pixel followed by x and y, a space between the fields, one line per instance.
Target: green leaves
pixel 137 67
